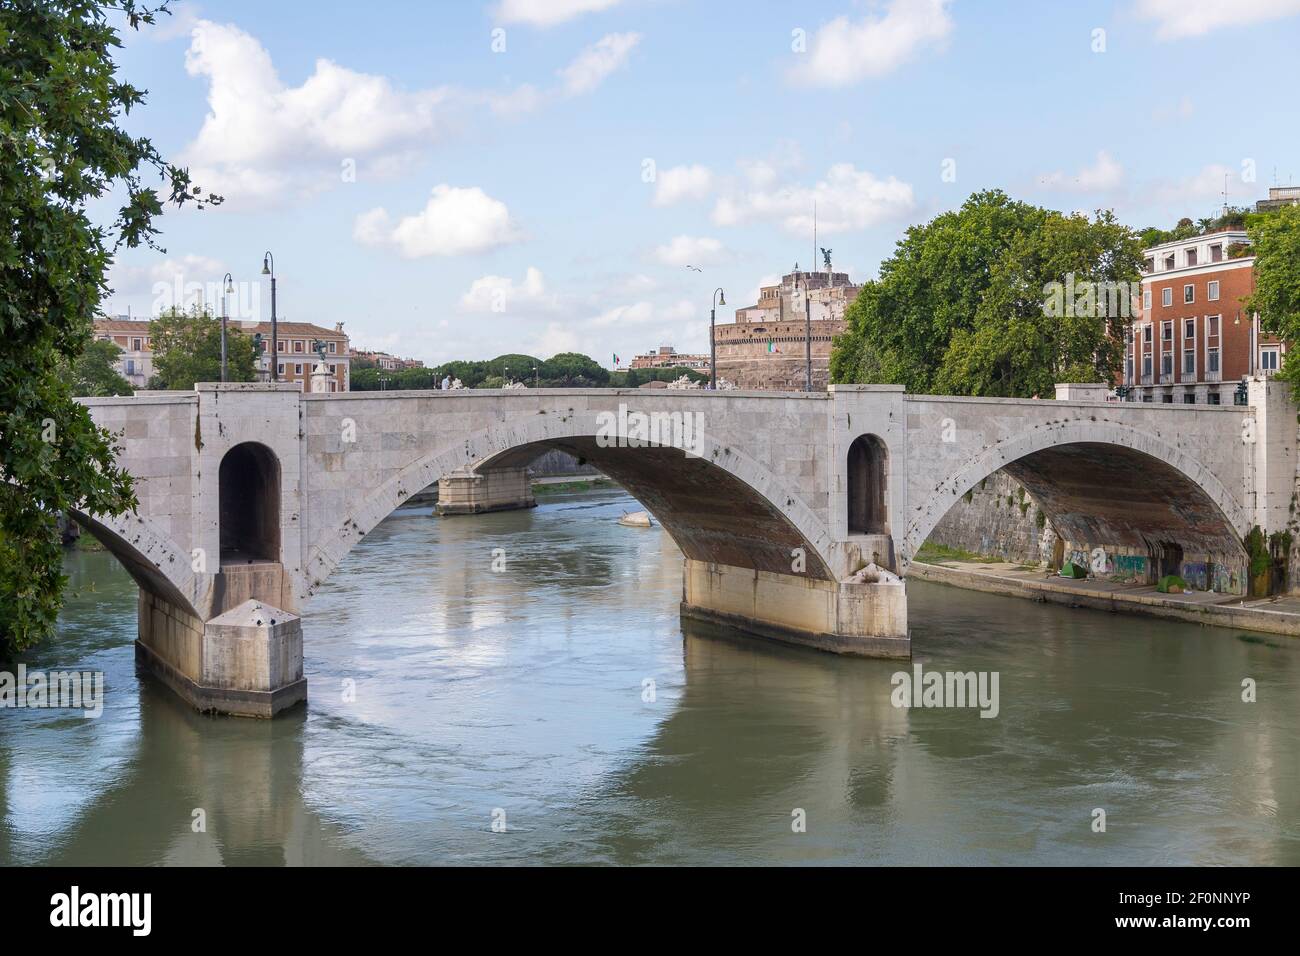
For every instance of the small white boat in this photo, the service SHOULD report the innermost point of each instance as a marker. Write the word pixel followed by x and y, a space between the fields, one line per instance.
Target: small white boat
pixel 636 519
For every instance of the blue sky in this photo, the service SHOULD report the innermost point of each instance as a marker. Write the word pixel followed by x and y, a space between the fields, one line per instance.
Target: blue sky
pixel 458 180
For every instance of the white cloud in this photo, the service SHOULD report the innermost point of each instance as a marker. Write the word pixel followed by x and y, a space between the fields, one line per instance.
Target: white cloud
pixel 597 62
pixel 455 221
pixel 547 13
pixel 690 251
pixel 843 52
pixel 1176 19
pixel 1205 184
pixel 502 294
pixel 643 313
pixel 257 130
pixel 555 338
pixel 1105 175
pixel 681 183
pixel 847 199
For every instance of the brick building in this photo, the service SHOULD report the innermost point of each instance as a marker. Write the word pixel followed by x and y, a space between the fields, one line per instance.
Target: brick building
pixel 1194 339
pixel 765 347
pixel 297 357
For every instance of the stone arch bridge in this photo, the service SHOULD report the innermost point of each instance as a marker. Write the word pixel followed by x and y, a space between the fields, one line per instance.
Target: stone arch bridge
pixel 252 495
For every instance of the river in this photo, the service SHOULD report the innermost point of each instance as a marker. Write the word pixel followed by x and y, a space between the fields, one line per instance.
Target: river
pixel 554 709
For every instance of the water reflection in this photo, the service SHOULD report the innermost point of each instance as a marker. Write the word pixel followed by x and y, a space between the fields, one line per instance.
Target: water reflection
pixel 524 691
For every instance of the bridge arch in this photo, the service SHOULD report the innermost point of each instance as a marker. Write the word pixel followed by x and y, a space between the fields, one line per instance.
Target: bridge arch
pixel 868 485
pixel 1083 476
pixel 157 563
pixel 248 483
pixel 697 494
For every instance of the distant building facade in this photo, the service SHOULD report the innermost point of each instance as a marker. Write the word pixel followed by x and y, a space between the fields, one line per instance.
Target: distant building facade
pixel 132 336
pixel 668 357
pixel 1195 339
pixel 1279 196
pixel 385 361
pixel 765 347
pixel 296 361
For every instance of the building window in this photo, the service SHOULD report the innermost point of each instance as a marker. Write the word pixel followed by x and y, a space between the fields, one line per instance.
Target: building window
pixel 129 366
pixel 1169 261
pixel 1191 257
pixel 1149 265
pixel 297 368
pixel 279 367
pixel 1146 365
pixel 1167 399
pixel 1212 290
pixel 1166 331
pixel 1146 398
pixel 1189 398
pixel 1211 325
pixel 1268 360
pixel 1146 298
pixel 297 345
pixel 1216 255
pixel 1212 398
pixel 1166 296
pixel 1189 361
pixel 1146 333
pixel 1212 359
pixel 137 345
pixel 331 346
pixel 1189 294
pixel 1189 328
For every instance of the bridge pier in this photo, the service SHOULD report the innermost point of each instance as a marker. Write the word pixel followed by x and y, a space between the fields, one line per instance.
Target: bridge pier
pixel 864 620
pixel 477 492
pixel 246 662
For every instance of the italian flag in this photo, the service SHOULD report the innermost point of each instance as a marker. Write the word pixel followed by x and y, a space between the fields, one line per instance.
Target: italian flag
pixel 771 347
pixel 615 359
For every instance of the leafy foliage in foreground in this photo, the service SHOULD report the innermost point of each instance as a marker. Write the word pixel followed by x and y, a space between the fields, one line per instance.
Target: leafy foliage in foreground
pixel 61 146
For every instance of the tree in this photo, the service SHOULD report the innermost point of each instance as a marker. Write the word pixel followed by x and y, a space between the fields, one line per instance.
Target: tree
pixel 573 370
pixel 1275 240
pixel 187 350
pixel 61 148
pixel 962 307
pixel 94 371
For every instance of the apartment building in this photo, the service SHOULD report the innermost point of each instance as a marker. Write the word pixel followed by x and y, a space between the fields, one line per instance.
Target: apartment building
pixel 296 361
pixel 1194 338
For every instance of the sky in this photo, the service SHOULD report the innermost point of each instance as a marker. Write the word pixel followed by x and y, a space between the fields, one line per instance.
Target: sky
pixel 454 179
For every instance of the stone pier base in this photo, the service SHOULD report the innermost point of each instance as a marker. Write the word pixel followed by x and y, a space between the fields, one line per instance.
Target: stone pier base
pixel 246 662
pixel 500 489
pixel 867 620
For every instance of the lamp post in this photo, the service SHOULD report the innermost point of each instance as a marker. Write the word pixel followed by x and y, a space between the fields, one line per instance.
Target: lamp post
pixel 807 334
pixel 227 287
pixel 535 378
pixel 268 269
pixel 719 298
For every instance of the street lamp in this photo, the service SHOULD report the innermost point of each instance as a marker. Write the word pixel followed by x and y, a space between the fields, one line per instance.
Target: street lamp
pixel 719 298
pixel 268 269
pixel 228 286
pixel 535 378
pixel 807 334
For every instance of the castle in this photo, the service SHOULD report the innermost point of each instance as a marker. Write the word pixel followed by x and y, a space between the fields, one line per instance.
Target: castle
pixel 765 347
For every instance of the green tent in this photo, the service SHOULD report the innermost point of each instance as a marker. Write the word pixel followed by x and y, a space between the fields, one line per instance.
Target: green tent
pixel 1072 570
